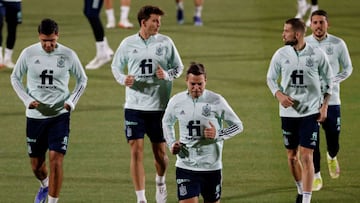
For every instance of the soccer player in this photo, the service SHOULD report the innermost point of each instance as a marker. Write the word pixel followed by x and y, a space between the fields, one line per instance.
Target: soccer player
pixel 205 120
pixel 124 13
pixel 197 14
pixel 103 51
pixel 152 63
pixel 11 11
pixel 341 65
pixel 300 66
pixel 303 7
pixel 48 101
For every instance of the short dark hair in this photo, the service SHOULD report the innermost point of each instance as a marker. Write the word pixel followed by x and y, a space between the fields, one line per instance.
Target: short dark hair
pixel 297 24
pixel 196 69
pixel 145 12
pixel 48 27
pixel 320 13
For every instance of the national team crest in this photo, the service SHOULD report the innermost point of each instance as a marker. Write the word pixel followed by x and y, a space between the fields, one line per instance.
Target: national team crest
pixel 182 190
pixel 159 51
pixel 329 50
pixel 206 110
pixel 61 62
pixel 309 62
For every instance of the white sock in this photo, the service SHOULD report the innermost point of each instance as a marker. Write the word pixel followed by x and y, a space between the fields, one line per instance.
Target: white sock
pixel 301 3
pixel 110 15
pixel 299 187
pixel 45 182
pixel 124 13
pixel 101 49
pixel 314 8
pixel 52 199
pixel 180 5
pixel 306 197
pixel 328 155
pixel 198 10
pixel 140 195
pixel 317 175
pixel 160 180
pixel 8 54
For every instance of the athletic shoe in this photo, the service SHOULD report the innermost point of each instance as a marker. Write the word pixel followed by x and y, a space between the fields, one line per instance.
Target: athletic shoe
pixel 41 195
pixel 110 24
pixel 197 21
pixel 317 184
pixel 97 62
pixel 302 10
pixel 180 16
pixel 109 52
pixel 299 198
pixel 333 165
pixel 125 24
pixel 142 201
pixel 161 193
pixel 9 63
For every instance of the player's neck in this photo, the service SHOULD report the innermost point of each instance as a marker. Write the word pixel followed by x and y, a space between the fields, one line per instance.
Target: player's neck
pixel 300 45
pixel 144 35
pixel 320 38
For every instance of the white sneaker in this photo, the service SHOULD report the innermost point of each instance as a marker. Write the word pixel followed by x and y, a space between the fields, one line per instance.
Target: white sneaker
pixel 110 24
pixel 97 62
pixel 125 24
pixel 161 193
pixel 110 52
pixel 317 184
pixel 334 168
pixel 308 22
pixel 9 63
pixel 302 10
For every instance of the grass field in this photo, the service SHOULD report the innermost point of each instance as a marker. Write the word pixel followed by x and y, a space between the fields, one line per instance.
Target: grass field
pixel 235 44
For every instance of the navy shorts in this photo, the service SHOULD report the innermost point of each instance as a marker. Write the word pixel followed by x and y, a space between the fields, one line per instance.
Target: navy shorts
pixel 193 183
pixel 303 131
pixel 49 133
pixel 138 123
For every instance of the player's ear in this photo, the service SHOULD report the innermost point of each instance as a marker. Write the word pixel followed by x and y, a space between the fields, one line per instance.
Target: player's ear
pixel 143 22
pixel 298 35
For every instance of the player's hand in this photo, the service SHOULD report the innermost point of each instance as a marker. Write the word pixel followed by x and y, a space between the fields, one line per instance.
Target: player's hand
pixel 210 133
pixel 284 99
pixel 176 147
pixel 67 107
pixel 129 80
pixel 34 105
pixel 160 73
pixel 323 113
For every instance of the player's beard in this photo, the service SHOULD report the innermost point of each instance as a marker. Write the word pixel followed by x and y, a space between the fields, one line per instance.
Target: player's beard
pixel 292 42
pixel 196 93
pixel 319 34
